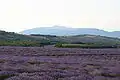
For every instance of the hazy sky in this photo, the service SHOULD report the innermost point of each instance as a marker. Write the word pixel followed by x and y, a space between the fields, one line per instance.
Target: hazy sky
pixel 17 15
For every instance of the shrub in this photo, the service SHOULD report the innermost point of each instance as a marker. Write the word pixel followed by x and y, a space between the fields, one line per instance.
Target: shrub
pixel 58 45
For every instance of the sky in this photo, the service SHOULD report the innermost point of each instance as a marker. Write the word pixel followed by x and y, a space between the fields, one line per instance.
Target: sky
pixel 18 15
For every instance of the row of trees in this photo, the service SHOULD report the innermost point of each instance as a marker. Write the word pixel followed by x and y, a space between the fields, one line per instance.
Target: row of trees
pixel 85 45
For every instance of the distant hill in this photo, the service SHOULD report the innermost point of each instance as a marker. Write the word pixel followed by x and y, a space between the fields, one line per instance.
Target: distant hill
pixel 15 39
pixel 14 36
pixel 53 39
pixel 76 39
pixel 65 31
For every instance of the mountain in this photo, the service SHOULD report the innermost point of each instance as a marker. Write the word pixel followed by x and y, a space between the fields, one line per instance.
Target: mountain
pixel 65 31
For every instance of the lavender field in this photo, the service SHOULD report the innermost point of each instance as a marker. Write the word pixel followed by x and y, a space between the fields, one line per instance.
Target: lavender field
pixel 50 63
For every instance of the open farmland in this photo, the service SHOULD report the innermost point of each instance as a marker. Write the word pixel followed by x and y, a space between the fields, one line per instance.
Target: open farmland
pixel 50 63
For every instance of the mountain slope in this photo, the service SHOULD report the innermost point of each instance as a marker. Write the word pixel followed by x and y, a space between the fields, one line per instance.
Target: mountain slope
pixel 61 31
pixel 79 39
pixel 14 36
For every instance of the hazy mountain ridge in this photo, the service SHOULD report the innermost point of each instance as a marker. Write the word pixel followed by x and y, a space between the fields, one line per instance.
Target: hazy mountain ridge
pixel 63 31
